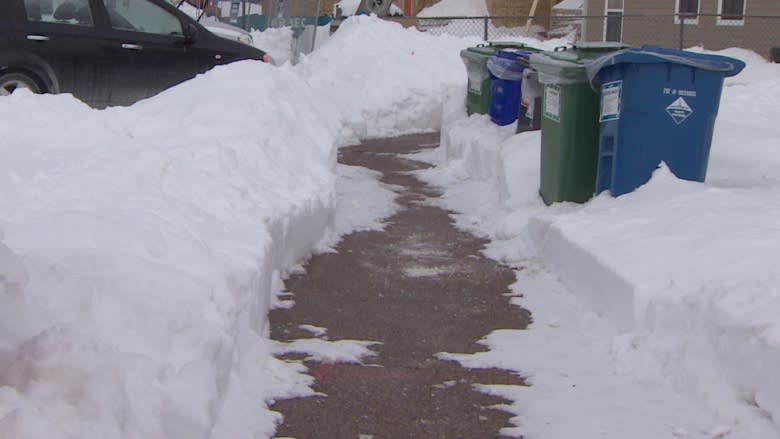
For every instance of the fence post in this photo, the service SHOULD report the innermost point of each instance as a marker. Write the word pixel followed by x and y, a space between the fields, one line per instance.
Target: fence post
pixel 486 28
pixel 682 30
pixel 243 12
pixel 316 26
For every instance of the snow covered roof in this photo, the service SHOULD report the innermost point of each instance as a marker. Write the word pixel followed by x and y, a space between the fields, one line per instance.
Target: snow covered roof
pixel 569 4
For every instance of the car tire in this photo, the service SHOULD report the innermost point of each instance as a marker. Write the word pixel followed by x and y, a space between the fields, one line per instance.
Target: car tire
pixel 9 82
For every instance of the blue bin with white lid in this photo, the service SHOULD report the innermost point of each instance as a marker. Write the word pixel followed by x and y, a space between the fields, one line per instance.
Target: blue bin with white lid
pixel 656 105
pixel 506 77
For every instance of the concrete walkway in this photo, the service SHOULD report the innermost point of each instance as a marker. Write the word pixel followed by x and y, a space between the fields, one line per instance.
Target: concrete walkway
pixel 419 287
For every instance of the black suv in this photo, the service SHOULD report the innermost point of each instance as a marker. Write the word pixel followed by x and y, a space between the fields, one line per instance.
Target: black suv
pixel 106 52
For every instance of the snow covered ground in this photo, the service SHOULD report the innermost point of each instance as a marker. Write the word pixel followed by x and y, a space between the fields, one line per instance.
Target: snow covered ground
pixel 665 323
pixel 141 249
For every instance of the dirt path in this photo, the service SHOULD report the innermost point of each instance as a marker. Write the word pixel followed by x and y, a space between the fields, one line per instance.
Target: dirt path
pixel 420 287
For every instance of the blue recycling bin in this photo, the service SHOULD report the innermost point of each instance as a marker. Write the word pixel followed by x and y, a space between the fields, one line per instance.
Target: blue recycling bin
pixel 506 76
pixel 657 105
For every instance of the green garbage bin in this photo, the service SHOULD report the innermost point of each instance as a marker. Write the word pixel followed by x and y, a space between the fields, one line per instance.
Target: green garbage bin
pixel 570 122
pixel 775 54
pixel 475 59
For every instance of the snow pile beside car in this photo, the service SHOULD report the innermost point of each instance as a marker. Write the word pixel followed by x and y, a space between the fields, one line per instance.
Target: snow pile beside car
pixel 139 250
pixel 382 88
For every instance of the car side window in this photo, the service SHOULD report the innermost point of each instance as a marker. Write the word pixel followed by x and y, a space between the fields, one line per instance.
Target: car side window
pixel 75 12
pixel 142 16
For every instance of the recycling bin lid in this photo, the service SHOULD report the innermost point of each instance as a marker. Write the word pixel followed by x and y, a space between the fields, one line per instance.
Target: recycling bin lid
pixel 505 66
pixel 514 54
pixel 654 55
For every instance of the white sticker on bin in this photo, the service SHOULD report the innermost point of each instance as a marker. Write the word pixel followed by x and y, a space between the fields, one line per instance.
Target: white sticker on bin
pixel 610 101
pixel 476 80
pixel 679 110
pixel 552 102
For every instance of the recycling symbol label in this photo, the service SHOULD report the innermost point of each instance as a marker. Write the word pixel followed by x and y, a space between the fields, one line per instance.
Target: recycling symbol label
pixel 679 110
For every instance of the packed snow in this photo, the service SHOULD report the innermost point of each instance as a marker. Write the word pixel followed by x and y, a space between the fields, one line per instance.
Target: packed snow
pixel 141 249
pixel 140 246
pixel 569 5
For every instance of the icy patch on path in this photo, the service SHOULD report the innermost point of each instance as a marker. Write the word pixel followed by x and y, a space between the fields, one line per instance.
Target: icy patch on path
pixel 426 271
pixel 324 351
pixel 362 201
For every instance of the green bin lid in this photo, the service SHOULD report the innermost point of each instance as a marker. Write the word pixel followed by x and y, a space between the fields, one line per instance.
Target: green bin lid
pixel 567 64
pixel 504 44
pixel 493 47
pixel 560 67
pixel 484 50
pixel 599 46
pixel 513 45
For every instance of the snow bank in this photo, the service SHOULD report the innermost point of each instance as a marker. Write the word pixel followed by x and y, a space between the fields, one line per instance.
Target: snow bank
pixel 385 79
pixel 690 270
pixel 141 246
pixel 686 273
pixel 280 43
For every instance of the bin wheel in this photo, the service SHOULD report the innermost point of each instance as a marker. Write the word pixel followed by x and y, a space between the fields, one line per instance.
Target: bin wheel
pixel 10 82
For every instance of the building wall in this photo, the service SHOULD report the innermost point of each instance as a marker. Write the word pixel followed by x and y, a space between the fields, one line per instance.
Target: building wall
pixel 520 8
pixel 757 34
pixel 326 6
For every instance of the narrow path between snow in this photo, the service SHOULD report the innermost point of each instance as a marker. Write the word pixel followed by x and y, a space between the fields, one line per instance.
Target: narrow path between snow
pixel 420 287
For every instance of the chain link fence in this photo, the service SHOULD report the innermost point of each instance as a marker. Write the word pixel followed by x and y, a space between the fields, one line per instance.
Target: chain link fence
pixel 487 28
pixel 758 33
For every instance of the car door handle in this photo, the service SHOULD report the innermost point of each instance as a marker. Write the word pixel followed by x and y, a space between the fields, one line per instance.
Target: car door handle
pixel 37 38
pixel 132 46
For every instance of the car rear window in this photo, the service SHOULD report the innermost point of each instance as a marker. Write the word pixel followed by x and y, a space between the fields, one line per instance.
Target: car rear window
pixel 142 16
pixel 75 12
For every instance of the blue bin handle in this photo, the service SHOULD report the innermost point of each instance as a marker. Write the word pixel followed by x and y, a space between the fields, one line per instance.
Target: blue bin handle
pixel 561 49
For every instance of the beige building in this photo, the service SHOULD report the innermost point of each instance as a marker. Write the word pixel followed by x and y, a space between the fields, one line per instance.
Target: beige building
pixel 518 8
pixel 713 24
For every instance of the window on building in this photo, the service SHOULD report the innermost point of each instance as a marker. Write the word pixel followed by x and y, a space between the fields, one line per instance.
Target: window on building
pixel 686 10
pixel 731 9
pixel 613 26
pixel 688 7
